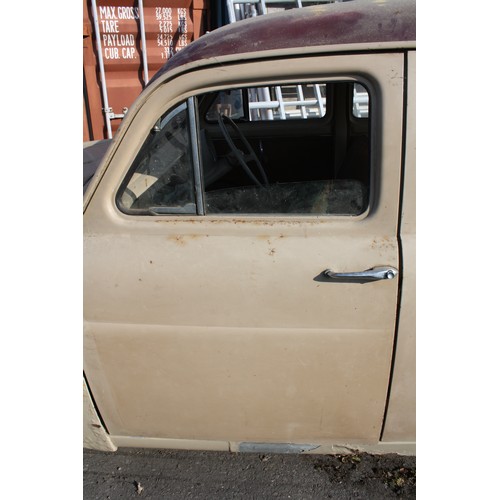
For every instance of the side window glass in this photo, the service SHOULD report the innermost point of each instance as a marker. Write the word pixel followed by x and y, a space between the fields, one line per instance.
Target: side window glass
pixel 161 179
pixel 234 154
pixel 283 102
pixel 304 165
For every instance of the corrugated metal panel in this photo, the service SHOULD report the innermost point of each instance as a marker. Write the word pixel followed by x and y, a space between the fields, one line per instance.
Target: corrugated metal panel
pixel 117 64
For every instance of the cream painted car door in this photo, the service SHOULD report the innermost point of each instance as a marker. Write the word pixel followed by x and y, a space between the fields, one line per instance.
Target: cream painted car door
pixel 217 328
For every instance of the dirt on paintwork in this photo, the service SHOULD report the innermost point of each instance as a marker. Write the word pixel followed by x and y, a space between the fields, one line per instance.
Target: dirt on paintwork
pixel 170 474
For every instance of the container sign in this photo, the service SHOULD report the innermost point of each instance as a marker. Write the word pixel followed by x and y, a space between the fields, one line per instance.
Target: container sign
pixel 168 27
pixel 168 30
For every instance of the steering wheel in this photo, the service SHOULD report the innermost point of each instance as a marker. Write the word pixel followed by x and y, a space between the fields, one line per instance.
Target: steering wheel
pixel 243 158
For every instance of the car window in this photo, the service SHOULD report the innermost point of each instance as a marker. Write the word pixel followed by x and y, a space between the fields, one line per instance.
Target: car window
pixel 162 179
pixel 310 158
pixel 282 102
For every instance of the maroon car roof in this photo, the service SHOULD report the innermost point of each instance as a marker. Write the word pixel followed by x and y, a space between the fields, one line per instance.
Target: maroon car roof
pixel 349 22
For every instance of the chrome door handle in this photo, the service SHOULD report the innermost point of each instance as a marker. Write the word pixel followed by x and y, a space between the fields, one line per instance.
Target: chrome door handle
pixel 373 274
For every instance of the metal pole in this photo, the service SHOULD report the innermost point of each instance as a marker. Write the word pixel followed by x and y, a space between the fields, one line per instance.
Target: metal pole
pixel 317 93
pixel 279 95
pixel 265 95
pixel 143 42
pixel 231 11
pixel 101 69
pixel 300 94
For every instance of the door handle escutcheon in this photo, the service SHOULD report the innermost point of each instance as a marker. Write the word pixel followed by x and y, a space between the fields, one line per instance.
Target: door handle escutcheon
pixel 373 274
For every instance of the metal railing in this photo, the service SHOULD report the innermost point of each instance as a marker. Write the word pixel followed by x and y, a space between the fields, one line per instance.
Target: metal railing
pixel 273 103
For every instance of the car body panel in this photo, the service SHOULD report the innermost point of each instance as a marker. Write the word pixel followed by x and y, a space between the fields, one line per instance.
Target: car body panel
pixel 362 22
pixel 218 332
pixel 401 415
pixel 94 433
pixel 168 294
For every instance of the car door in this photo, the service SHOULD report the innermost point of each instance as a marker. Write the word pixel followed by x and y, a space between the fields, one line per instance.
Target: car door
pixel 224 327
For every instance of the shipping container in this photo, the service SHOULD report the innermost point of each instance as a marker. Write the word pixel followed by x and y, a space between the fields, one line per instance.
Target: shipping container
pixel 125 42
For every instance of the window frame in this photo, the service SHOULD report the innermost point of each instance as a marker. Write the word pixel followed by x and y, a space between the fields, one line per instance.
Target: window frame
pixel 193 132
pixel 194 122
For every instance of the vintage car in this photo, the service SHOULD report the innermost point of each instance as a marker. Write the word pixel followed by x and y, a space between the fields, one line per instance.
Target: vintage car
pixel 249 243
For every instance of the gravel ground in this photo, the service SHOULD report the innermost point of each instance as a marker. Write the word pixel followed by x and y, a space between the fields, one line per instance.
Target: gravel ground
pixel 165 474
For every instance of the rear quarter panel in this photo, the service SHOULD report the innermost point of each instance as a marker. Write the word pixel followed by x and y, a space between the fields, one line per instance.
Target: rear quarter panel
pixel 400 422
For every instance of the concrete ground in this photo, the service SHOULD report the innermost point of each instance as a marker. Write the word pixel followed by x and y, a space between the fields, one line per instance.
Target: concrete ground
pixel 166 474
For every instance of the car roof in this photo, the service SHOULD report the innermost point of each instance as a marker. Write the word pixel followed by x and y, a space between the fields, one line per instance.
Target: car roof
pixel 344 23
